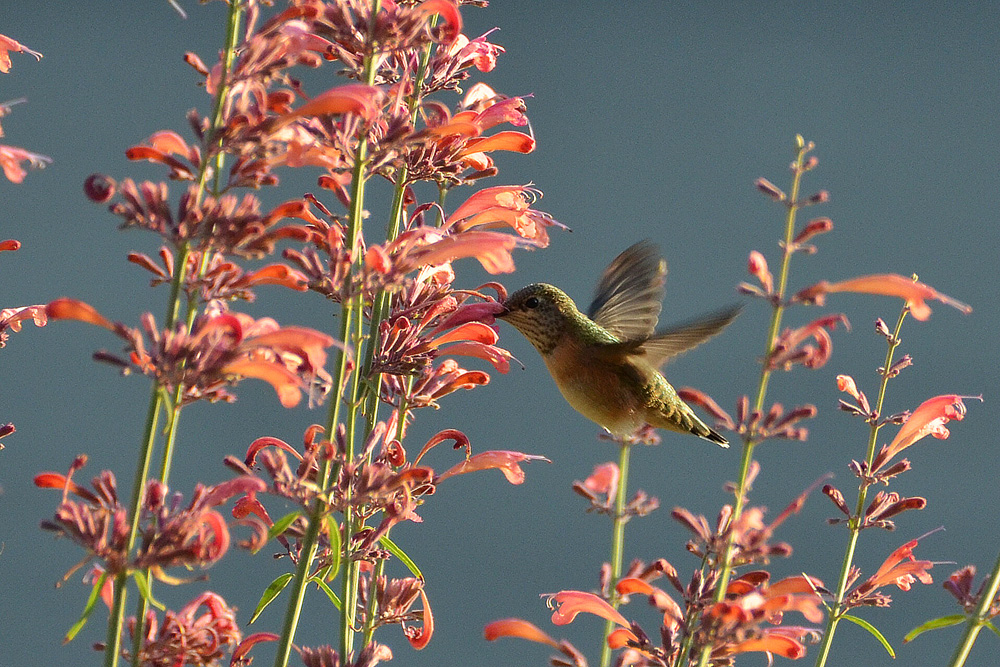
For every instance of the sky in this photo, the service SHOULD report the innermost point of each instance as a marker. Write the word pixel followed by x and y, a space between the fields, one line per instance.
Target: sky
pixel 653 120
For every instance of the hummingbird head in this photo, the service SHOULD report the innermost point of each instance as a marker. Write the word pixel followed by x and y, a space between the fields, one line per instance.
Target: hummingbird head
pixel 542 313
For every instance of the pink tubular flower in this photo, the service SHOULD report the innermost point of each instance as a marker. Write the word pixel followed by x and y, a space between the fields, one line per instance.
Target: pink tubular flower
pixel 8 46
pixel 567 604
pixel 506 462
pixel 504 206
pixel 929 418
pixel 913 292
pixel 11 159
pixel 221 348
pixel 479 52
pixel 353 98
pixel 791 348
pixel 201 633
pixel 900 569
pixel 846 383
pixel 515 627
pixel 11 318
pixel 604 479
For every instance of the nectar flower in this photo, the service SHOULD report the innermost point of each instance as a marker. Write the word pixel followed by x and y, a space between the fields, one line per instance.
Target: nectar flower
pixel 901 568
pixel 567 604
pixel 221 348
pixel 11 318
pixel 929 418
pixel 915 293
pixel 12 159
pixel 201 633
pixel 504 206
pixel 506 462
pixel 8 46
pixel 515 627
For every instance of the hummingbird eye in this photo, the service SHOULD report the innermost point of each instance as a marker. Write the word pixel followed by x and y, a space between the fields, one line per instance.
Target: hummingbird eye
pixel 531 302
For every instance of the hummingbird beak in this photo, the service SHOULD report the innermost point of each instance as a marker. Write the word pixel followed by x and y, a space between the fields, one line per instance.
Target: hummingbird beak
pixel 503 312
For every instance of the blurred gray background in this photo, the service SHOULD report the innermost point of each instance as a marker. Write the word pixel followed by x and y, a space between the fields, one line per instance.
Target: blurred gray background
pixel 652 120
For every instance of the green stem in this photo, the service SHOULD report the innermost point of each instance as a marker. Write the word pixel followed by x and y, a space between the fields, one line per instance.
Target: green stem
pixel 978 619
pixel 617 544
pixel 856 521
pixel 750 442
pixel 116 620
pixel 350 309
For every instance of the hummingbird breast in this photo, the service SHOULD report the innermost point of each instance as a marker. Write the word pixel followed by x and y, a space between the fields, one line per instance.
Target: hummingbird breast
pixel 607 391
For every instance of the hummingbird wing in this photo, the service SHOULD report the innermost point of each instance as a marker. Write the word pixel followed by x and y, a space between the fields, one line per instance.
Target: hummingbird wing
pixel 629 295
pixel 668 343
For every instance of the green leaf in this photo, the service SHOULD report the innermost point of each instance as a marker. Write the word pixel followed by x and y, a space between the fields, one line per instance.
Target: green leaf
pixel 402 556
pixel 872 629
pixel 270 593
pixel 326 589
pixel 335 542
pixel 146 591
pixel 95 595
pixel 282 524
pixel 992 627
pixel 934 624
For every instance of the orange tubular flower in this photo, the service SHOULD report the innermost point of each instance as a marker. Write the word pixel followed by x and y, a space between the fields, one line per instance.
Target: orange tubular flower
pixel 915 293
pixel 567 604
pixel 515 627
pixel 504 206
pixel 221 348
pixel 900 568
pixel 7 46
pixel 506 462
pixel 11 159
pixel 929 418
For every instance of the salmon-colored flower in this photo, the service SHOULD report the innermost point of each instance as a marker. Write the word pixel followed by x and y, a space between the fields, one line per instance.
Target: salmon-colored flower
pixel 478 52
pixel 914 293
pixel 509 463
pixel 504 206
pixel 515 627
pixel 901 569
pixel 13 160
pixel 567 604
pixel 8 46
pixel 353 98
pixel 929 418
pixel 846 383
pixel 11 318
pixel 604 479
pixel 201 633
pixel 673 615
pixel 220 348
pixel 791 347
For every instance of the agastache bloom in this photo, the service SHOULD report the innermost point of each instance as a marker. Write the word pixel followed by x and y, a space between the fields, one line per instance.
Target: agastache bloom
pixel 13 161
pixel 169 535
pixel 201 633
pixel 221 348
pixel 914 293
pixel 8 46
pixel 901 569
pixel 929 418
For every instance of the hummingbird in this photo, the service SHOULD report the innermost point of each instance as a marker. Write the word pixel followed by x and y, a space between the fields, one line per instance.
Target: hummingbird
pixel 606 363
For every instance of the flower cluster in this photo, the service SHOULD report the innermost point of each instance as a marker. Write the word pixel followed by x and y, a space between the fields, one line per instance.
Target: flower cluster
pixel 169 535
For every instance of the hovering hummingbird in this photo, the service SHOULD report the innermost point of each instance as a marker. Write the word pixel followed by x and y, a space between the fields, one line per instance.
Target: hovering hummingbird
pixel 606 363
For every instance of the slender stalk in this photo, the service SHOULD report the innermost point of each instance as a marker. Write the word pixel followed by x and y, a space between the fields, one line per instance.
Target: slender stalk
pixel 855 523
pixel 310 543
pixel 978 619
pixel 116 620
pixel 750 441
pixel 617 543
